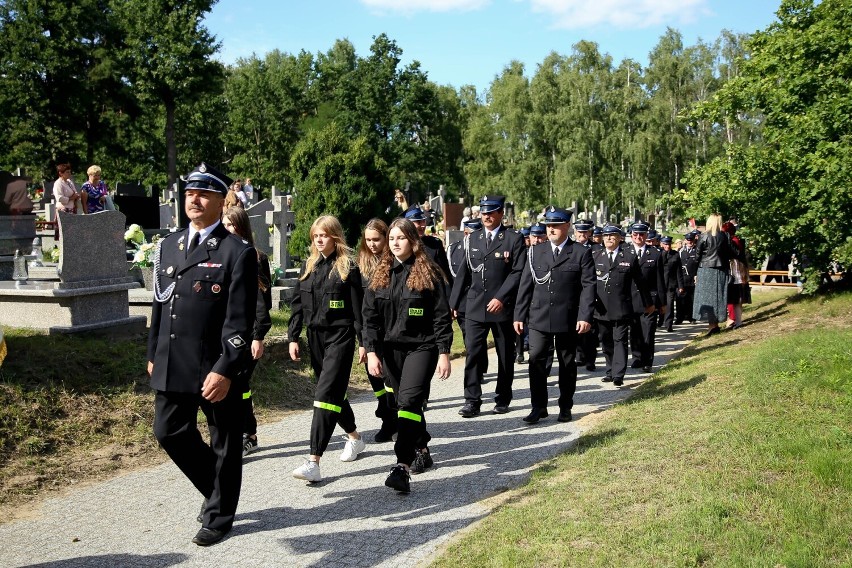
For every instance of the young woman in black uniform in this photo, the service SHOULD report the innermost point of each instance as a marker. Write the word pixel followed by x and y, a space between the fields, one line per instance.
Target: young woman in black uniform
pixel 407 335
pixel 374 244
pixel 237 222
pixel 328 304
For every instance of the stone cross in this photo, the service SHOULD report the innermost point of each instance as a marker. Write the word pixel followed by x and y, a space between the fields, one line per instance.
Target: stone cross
pixel 279 218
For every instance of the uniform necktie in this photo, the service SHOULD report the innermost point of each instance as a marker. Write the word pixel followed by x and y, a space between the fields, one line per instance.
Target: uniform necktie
pixel 612 258
pixel 488 240
pixel 555 253
pixel 193 243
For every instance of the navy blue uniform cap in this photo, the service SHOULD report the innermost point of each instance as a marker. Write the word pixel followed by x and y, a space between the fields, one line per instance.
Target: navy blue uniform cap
pixel 207 178
pixel 491 203
pixel 556 216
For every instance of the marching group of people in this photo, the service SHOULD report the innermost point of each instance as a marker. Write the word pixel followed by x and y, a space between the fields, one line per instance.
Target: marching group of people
pixel 563 290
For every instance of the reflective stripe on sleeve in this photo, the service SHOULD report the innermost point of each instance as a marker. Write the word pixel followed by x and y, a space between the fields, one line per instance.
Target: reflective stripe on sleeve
pixel 246 395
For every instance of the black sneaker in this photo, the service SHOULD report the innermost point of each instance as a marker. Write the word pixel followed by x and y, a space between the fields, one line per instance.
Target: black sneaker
pixel 469 410
pixel 249 445
pixel 422 462
pixel 399 479
pixel 385 433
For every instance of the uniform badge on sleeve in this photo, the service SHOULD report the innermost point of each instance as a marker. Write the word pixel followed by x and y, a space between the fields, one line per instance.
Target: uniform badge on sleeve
pixel 237 341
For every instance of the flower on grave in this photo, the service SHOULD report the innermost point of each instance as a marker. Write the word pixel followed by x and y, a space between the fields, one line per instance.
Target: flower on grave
pixel 144 255
pixel 54 254
pixel 135 235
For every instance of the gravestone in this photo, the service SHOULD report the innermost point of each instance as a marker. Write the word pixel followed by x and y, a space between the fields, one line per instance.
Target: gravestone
pixel 144 211
pixel 259 226
pixel 280 218
pixel 131 189
pixel 167 220
pixel 92 294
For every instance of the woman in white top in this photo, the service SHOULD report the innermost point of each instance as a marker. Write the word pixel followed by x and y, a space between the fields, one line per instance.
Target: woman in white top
pixel 64 191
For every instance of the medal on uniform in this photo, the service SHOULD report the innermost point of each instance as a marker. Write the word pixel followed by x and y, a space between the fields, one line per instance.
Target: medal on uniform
pixel 180 242
pixel 212 242
pixel 169 270
pixel 197 286
pixel 496 255
pixel 216 288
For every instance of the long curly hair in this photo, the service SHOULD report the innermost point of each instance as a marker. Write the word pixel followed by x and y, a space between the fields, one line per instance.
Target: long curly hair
pixel 424 275
pixel 329 225
pixel 367 261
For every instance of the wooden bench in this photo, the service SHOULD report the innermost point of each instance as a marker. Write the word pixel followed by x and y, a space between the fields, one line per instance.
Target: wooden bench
pixel 758 277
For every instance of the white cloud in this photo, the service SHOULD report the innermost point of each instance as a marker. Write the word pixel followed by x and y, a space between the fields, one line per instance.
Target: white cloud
pixel 411 6
pixel 621 14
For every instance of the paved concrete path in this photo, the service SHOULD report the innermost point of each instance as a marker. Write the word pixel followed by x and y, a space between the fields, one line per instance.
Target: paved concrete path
pixel 147 518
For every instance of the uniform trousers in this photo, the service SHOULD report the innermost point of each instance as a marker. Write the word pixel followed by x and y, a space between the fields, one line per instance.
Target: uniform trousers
pixel 216 470
pixel 331 350
pixel 671 300
pixel 476 343
pixel 541 343
pixel 409 372
pixel 385 403
pixel 684 304
pixel 643 330
pixel 613 336
pixel 249 420
pixel 587 346
pixel 460 318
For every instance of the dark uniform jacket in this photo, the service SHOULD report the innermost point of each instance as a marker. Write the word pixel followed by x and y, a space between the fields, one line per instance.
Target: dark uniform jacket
pixel 455 258
pixel 262 321
pixel 323 300
pixel 206 324
pixel 435 249
pixel 615 284
pixel 502 264
pixel 404 317
pixel 566 298
pixel 689 262
pixel 651 265
pixel 672 271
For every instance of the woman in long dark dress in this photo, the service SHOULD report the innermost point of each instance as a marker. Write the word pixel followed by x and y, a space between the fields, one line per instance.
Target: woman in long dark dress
pixel 711 287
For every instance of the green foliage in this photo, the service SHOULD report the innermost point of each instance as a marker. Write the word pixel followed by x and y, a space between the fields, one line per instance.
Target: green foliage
pixel 335 174
pixel 794 188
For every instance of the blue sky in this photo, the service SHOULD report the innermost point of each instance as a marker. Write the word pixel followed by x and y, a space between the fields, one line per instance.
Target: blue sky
pixel 462 42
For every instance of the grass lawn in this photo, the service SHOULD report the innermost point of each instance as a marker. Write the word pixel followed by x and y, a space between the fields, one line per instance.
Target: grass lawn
pixel 739 453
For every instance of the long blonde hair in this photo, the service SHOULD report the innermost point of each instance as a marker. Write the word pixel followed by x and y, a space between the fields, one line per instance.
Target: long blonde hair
pixel 332 227
pixel 714 224
pixel 367 261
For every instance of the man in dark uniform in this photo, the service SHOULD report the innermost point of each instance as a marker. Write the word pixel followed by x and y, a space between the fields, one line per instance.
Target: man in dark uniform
pixel 689 260
pixel 432 245
pixel 490 274
pixel 557 297
pixel 205 291
pixel 587 343
pixel 673 277
pixel 643 327
pixel 597 238
pixel 455 258
pixel 522 341
pixel 616 273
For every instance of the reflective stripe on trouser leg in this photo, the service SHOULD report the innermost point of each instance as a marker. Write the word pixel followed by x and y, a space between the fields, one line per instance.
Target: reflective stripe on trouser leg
pixel 326 406
pixel 409 416
pixel 331 351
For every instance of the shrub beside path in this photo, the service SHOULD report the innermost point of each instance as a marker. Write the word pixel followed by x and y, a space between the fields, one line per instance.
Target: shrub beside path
pixel 147 518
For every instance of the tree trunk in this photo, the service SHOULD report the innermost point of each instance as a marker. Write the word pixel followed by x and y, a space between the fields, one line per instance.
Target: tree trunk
pixel 171 145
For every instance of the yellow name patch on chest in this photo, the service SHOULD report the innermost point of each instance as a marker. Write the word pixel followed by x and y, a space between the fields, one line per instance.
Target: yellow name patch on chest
pixel 415 311
pixel 335 304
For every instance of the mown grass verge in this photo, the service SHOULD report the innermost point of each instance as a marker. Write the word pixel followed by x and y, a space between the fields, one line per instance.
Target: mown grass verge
pixel 75 409
pixel 739 453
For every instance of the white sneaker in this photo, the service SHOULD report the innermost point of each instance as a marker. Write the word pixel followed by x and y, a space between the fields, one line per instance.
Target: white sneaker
pixel 352 449
pixel 309 471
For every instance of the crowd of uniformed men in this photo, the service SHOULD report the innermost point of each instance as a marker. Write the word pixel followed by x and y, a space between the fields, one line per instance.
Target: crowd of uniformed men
pixel 549 289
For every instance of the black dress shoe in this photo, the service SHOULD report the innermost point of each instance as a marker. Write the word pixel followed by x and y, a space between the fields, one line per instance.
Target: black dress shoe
pixel 713 331
pixel 536 415
pixel 669 329
pixel 469 410
pixel 607 379
pixel 501 409
pixel 646 369
pixel 200 517
pixel 564 416
pixel 206 537
pixel 618 382
pixel 590 367
pixel 519 358
pixel 635 364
